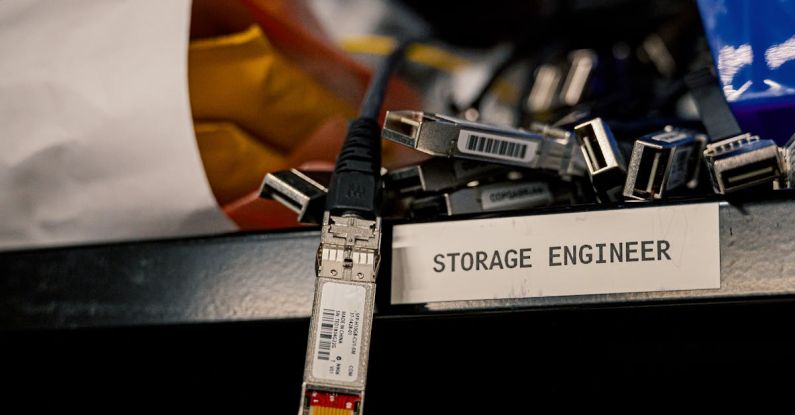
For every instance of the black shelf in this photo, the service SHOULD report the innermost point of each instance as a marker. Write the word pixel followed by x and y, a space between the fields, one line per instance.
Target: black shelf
pixel 270 276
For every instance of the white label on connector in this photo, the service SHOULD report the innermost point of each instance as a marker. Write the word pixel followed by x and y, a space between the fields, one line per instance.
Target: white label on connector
pixel 338 341
pixel 497 146
pixel 641 249
pixel 515 195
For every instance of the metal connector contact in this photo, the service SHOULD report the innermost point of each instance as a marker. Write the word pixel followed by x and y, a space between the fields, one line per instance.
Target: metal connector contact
pixel 662 162
pixel 349 248
pixel 743 161
pixel 444 136
pixel 297 191
pixel 603 158
pixel 319 401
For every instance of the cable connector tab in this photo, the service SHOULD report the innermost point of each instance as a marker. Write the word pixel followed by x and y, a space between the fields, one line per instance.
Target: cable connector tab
pixel 743 161
pixel 349 248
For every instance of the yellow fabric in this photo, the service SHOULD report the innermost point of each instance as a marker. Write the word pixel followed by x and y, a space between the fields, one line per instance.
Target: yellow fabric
pixel 234 161
pixel 251 108
pixel 241 79
pixel 423 54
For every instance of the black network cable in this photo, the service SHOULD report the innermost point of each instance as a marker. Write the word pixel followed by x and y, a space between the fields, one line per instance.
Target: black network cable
pixel 347 263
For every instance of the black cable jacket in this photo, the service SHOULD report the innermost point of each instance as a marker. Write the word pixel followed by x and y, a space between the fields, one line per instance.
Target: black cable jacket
pixel 374 97
pixel 713 108
pixel 355 185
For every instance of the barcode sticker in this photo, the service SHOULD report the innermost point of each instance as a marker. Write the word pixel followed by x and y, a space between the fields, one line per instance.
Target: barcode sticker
pixel 338 343
pixel 497 146
pixel 326 334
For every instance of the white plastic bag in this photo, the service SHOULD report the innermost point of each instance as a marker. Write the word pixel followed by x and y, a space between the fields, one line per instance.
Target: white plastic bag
pixel 96 141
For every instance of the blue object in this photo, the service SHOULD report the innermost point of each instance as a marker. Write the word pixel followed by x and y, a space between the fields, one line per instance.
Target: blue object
pixel 753 45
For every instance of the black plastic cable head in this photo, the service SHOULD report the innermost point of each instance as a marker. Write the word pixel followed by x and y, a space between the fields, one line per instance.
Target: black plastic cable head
pixel 355 185
pixel 356 182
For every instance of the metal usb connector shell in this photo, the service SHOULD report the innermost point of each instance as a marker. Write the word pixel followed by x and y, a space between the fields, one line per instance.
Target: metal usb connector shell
pixel 297 191
pixel 662 162
pixel 743 161
pixel 347 264
pixel 349 248
pixel 605 163
pixel 443 136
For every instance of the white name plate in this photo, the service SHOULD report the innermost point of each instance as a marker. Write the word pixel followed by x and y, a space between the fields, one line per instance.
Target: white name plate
pixel 616 251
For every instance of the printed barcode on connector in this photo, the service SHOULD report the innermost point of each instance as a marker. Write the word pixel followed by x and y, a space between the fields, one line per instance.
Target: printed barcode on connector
pixel 326 331
pixel 340 318
pixel 496 147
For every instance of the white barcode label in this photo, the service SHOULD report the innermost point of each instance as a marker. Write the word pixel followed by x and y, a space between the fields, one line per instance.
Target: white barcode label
pixel 326 334
pixel 497 146
pixel 338 342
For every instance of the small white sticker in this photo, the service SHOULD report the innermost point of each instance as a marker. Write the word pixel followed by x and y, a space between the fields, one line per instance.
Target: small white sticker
pixel 497 146
pixel 516 195
pixel 613 251
pixel 339 331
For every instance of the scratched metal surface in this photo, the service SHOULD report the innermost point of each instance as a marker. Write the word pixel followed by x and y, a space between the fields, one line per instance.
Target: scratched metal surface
pixel 270 276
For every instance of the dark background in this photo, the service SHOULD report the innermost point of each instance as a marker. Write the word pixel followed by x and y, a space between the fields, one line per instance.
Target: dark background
pixel 513 361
